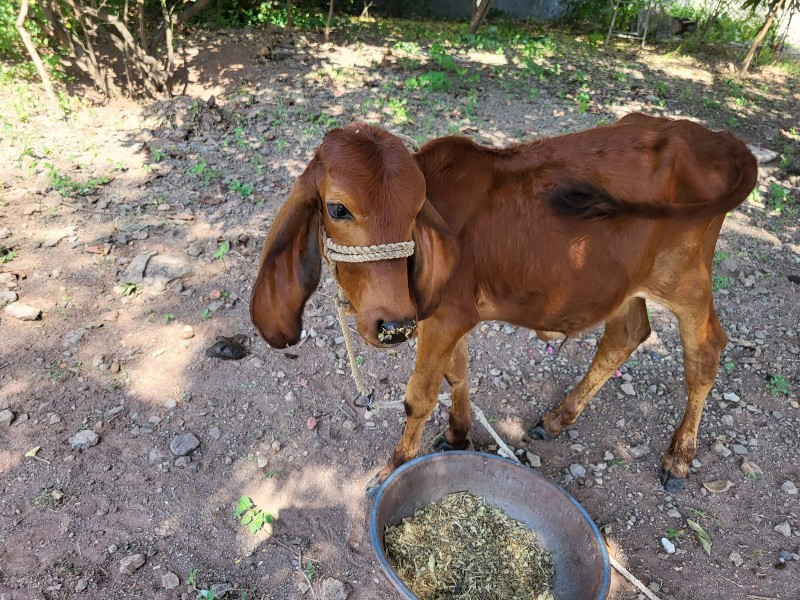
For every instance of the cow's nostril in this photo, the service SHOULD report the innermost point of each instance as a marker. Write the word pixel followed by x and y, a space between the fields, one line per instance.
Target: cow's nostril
pixel 395 332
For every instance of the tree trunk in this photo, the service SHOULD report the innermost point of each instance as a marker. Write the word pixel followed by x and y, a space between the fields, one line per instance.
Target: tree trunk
pixel 170 50
pixel 288 15
pixel 142 35
pixel 479 10
pixel 37 61
pixel 328 23
pixel 776 7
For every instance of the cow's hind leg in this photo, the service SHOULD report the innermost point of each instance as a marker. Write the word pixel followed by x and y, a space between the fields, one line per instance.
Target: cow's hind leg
pixel 628 328
pixel 703 341
pixel 455 438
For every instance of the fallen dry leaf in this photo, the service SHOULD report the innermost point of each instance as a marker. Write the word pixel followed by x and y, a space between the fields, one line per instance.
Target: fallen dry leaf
pixel 718 486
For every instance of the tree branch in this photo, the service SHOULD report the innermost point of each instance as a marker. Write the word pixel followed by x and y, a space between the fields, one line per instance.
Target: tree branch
pixel 37 61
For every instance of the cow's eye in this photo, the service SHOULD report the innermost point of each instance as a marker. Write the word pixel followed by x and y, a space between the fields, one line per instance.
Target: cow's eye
pixel 338 211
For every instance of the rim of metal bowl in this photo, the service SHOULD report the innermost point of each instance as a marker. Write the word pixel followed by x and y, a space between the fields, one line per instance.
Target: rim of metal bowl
pixel 398 583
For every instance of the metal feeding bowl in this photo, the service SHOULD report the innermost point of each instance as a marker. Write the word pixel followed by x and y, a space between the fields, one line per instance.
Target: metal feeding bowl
pixel 560 523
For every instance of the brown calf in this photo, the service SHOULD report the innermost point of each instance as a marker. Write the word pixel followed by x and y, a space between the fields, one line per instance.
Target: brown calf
pixel 556 235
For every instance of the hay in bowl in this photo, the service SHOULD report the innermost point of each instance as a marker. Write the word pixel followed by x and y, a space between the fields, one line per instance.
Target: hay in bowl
pixel 463 548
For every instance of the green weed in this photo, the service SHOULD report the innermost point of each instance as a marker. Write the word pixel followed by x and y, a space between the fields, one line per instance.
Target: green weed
pixel 720 282
pixel 251 516
pixel 243 189
pixel 778 385
pixel 222 250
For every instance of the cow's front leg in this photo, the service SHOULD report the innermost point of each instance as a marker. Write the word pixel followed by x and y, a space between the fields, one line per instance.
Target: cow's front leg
pixel 437 341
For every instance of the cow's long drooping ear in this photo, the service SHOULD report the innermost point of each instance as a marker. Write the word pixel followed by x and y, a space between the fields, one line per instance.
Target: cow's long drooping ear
pixel 290 264
pixel 435 257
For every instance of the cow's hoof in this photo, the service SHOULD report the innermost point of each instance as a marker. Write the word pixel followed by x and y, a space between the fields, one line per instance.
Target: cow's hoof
pixel 373 486
pixel 670 482
pixel 538 432
pixel 440 444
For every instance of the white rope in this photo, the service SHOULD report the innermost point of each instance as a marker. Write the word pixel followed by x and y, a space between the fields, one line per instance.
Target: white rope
pixel 334 253
pixel 360 254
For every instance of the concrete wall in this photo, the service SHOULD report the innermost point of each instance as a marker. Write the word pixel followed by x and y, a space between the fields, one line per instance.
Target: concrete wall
pixel 461 10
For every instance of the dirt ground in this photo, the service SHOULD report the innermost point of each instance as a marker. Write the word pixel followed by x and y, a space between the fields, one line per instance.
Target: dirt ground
pixel 135 229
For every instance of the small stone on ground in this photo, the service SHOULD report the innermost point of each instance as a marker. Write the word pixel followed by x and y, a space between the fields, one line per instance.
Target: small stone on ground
pixel 130 564
pixel 183 444
pixel 84 439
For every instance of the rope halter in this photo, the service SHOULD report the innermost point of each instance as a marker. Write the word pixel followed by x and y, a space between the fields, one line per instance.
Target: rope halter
pixel 334 253
pixel 361 254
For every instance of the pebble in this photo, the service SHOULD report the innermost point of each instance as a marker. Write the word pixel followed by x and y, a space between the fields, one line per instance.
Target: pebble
pixel 751 469
pixel 214 433
pixel 736 558
pixel 789 487
pixel 673 512
pixel 534 460
pixel 84 439
pixel 627 389
pixel 23 312
pixel 6 418
pixel 731 397
pixel 7 298
pixel 720 449
pixel 183 461
pixel 333 589
pixel 577 470
pixel 155 455
pixel 669 547
pixel 187 332
pixel 183 444
pixel 639 451
pixel 784 529
pixel 81 585
pixel 739 449
pixel 130 564
pixel 169 581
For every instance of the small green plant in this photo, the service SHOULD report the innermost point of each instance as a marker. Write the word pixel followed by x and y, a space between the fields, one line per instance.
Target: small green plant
pixel 435 81
pixel 711 102
pixel 582 99
pixel 251 516
pixel 169 317
pixel 618 463
pixel 238 137
pixel 157 155
pixel 720 282
pixel 732 122
pixel 778 385
pixel 192 578
pixel 66 186
pixel 360 360
pixel 308 570
pixel 128 288
pixel 222 250
pixel 492 420
pixel 280 144
pixel 660 88
pixel 674 534
pixel 243 189
pixel 7 255
pixel 206 314
pixel 728 366
pixel 777 196
pixel 398 109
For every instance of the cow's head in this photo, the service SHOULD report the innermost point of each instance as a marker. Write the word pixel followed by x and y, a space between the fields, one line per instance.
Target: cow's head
pixel 364 188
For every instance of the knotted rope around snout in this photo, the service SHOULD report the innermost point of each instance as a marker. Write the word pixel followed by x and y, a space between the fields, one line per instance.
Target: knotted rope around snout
pixel 334 253
pixel 361 254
